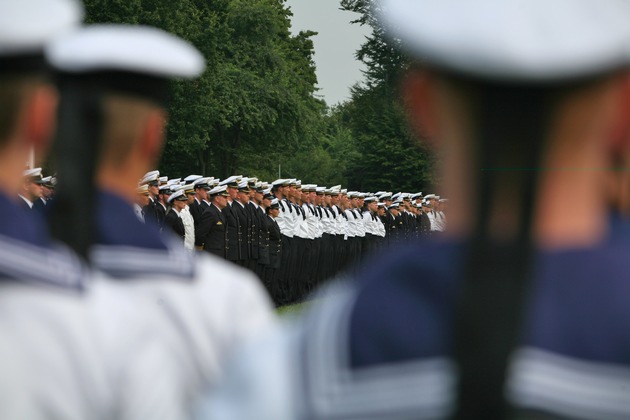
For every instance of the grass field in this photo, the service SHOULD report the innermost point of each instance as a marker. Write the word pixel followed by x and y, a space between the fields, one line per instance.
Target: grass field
pixel 292 310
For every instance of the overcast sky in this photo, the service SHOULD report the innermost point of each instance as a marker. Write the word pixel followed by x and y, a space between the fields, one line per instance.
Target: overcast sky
pixel 335 45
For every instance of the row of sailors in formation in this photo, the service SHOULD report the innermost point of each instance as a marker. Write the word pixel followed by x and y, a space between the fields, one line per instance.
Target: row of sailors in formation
pixel 277 230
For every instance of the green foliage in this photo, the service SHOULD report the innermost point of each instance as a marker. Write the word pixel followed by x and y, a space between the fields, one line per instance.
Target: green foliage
pixel 255 100
pixel 387 156
pixel 253 111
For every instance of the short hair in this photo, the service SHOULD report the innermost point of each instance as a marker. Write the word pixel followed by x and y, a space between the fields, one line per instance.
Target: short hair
pixel 14 90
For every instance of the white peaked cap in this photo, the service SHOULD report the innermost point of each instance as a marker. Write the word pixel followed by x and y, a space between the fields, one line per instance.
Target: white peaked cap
pixel 429 196
pixel 534 40
pixel 191 178
pixel 133 48
pixel 34 172
pixel 27 25
pixel 201 181
pixel 217 190
pixel 173 181
pixel 176 194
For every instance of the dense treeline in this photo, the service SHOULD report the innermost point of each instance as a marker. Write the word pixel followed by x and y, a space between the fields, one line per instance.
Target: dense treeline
pixel 253 111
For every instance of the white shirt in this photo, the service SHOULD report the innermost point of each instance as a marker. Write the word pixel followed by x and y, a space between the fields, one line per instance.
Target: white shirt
pixel 29 202
pixel 286 218
pixel 189 228
pixel 138 211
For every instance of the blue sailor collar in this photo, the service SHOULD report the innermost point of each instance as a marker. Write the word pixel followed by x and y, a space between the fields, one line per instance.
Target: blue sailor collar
pixel 27 253
pixel 127 248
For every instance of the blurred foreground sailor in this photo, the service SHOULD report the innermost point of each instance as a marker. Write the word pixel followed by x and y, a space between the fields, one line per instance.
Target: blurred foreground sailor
pixel 520 310
pixel 49 348
pixel 209 306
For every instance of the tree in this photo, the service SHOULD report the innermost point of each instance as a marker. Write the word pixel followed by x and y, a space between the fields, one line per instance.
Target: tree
pixel 387 154
pixel 254 102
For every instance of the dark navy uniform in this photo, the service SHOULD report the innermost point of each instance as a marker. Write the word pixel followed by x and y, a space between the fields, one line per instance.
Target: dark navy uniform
pixel 212 231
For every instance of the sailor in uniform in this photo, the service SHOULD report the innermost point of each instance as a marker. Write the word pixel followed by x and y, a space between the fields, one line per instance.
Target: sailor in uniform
pixel 53 349
pixel 173 221
pixel 212 228
pixel 520 309
pixel 207 305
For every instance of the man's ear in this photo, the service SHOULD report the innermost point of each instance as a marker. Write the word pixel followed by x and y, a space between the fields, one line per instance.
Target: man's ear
pixel 418 93
pixel 40 118
pixel 153 135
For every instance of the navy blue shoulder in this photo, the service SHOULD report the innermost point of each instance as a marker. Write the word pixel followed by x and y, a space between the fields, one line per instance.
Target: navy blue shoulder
pixel 577 304
pixel 27 253
pixel 403 310
pixel 127 248
pixel 118 225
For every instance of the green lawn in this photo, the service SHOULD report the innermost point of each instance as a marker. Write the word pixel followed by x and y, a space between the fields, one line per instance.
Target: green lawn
pixel 291 310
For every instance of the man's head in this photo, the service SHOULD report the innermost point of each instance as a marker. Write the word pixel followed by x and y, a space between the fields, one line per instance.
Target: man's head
pixel 129 73
pixel 28 99
pixel 218 196
pixel 243 192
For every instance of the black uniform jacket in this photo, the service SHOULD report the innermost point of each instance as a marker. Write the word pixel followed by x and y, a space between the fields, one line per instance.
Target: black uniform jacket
pixel 212 231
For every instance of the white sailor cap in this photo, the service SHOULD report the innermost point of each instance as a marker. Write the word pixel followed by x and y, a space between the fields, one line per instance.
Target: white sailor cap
pixel 369 199
pixel 167 189
pixel 201 183
pixel 395 205
pixel 179 195
pixel 173 181
pixel 243 186
pixel 143 189
pixel 27 25
pixel 266 191
pixel 280 182
pixel 138 60
pixel 163 179
pixel 32 173
pixel 188 188
pixel 429 197
pixel 416 195
pixel 219 190
pixel 381 205
pixel 320 190
pixel 521 40
pixel 192 178
pixel 231 181
pixel 150 177
pixel 275 204
pixel 134 48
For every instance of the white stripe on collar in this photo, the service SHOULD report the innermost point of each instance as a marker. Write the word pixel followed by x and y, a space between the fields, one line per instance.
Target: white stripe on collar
pixel 56 266
pixel 133 262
